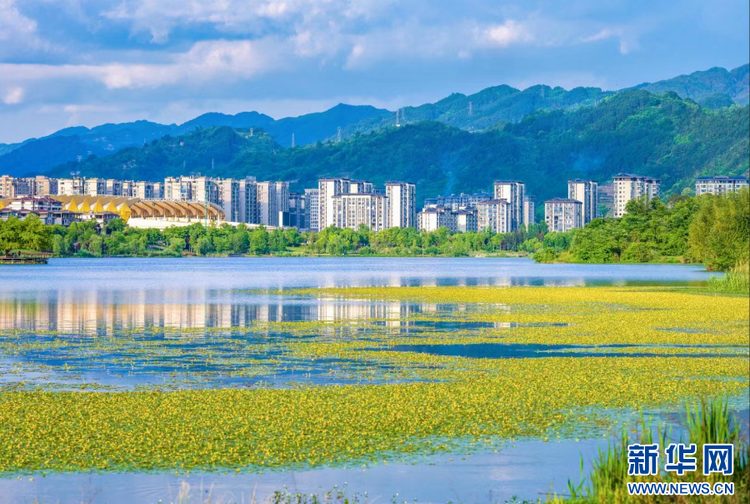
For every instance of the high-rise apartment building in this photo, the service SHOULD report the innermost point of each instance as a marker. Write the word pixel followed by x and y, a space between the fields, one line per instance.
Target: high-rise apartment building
pixel 466 220
pixel 563 214
pixel 456 201
pixel 628 186
pixel 355 209
pixel 328 188
pixel 312 208
pixel 268 213
pixel 249 201
pixel 44 186
pixel 96 187
pixel 719 184
pixel 230 199
pixel 142 190
pixel 513 192
pixel 434 217
pixel 529 210
pixel 71 187
pixel 297 210
pixel 494 215
pixel 113 187
pixel 587 192
pixel 402 202
pixel 282 202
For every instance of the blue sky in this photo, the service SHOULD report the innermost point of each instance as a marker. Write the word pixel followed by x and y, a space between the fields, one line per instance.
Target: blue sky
pixel 88 62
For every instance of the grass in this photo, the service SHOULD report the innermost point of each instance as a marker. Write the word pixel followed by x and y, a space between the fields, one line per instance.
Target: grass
pixel 709 421
pixel 736 281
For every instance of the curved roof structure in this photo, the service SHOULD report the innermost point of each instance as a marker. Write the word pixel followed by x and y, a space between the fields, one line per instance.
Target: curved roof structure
pixel 144 209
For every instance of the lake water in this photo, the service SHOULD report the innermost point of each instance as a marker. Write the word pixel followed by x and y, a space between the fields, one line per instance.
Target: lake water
pixel 220 302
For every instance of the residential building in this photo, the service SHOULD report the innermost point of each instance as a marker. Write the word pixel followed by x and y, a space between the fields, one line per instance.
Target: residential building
pixel 402 201
pixel 297 214
pixel 128 189
pixel 114 187
pixel 529 210
pixel 230 199
pixel 628 186
pixel 456 201
pixel 513 192
pixel 49 210
pixel 268 213
pixel 585 191
pixel 355 209
pixel 719 184
pixel 606 196
pixel 95 187
pixel 71 187
pixel 495 215
pixel 44 186
pixel 204 190
pixel 434 217
pixel 563 214
pixel 329 188
pixel 249 201
pixel 312 209
pixel 141 190
pixel 360 186
pixel 282 202
pixel 158 190
pixel 12 187
pixel 466 220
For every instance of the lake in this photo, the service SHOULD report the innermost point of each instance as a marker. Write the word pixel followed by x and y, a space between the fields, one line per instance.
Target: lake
pixel 122 324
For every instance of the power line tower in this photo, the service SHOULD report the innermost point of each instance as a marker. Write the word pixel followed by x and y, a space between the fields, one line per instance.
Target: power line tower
pixel 338 135
pixel 471 109
pixel 251 131
pixel 292 139
pixel 398 111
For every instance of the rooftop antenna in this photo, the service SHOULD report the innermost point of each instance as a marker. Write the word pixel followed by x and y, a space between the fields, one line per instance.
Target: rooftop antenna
pixel 339 134
pixel 471 109
pixel 292 139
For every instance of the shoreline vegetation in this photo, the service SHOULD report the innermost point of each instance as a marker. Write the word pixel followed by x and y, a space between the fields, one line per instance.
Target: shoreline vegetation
pixel 709 230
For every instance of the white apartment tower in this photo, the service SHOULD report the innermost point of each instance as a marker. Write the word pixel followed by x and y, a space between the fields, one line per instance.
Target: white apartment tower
pixel 529 210
pixel 494 215
pixel 719 184
pixel 328 188
pixel 563 214
pixel 354 209
pixel 629 187
pixel 402 200
pixel 248 200
pixel 513 192
pixel 268 213
pixel 587 192
pixel 312 208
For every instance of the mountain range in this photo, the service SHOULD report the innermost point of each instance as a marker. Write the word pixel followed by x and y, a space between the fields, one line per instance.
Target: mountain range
pixel 659 135
pixel 490 108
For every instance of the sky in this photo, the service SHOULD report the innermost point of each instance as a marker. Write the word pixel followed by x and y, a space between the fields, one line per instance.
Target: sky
pixel 88 62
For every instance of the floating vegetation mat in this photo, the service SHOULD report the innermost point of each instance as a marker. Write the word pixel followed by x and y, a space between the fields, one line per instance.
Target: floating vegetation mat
pixel 342 390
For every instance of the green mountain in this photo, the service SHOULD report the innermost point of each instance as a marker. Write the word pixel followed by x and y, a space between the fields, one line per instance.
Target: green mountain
pixel 633 131
pixel 718 86
pixel 38 155
pixel 490 108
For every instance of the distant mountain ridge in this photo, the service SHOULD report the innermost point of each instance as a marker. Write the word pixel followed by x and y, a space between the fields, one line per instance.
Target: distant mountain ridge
pixel 632 131
pixel 490 108
pixel 712 83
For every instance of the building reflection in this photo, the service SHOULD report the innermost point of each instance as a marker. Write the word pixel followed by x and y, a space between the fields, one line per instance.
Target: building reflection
pixel 100 312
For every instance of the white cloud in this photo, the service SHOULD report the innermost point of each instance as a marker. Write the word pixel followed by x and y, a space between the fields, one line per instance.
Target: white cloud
pixel 13 23
pixel 508 33
pixel 14 96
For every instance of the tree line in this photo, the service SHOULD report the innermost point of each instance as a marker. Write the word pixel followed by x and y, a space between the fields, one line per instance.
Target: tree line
pixel 710 229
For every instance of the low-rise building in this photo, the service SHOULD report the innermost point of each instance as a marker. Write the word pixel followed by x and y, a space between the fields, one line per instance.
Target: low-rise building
pixel 719 184
pixel 433 217
pixel 563 214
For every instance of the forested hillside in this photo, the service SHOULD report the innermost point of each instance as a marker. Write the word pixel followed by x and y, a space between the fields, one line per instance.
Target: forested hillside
pixel 634 131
